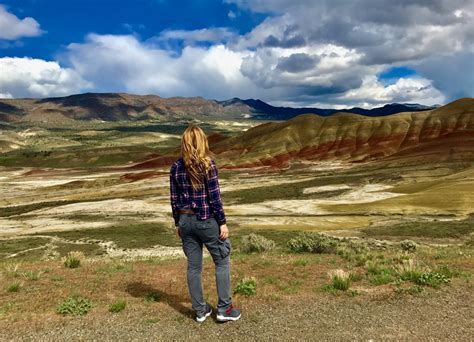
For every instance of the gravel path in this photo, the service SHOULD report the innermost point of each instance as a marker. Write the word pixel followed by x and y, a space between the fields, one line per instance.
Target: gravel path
pixel 444 314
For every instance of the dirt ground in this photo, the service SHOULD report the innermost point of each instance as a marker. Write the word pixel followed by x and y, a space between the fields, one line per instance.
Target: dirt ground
pixel 445 314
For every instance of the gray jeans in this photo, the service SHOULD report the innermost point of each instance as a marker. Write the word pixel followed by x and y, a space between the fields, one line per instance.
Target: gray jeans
pixel 195 233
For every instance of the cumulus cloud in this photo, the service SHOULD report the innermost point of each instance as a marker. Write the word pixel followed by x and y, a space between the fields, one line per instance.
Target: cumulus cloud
pixel 402 91
pixel 125 63
pixel 307 53
pixel 28 77
pixel 11 27
pixel 379 33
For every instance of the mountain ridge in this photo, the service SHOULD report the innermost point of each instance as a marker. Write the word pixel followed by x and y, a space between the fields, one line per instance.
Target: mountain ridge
pixel 124 106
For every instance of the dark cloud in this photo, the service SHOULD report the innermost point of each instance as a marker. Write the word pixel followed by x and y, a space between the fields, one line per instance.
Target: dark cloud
pixel 297 62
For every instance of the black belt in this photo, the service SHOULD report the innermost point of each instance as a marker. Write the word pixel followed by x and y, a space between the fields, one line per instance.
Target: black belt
pixel 186 211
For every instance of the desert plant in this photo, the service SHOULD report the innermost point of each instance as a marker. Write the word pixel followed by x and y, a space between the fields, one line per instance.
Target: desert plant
pixel 15 287
pixel 300 262
pixel 246 286
pixel 433 279
pixel 118 305
pixel 12 269
pixel 74 305
pixel 152 296
pixel 311 242
pixel 408 245
pixel 31 275
pixel 340 280
pixel 73 259
pixel 256 243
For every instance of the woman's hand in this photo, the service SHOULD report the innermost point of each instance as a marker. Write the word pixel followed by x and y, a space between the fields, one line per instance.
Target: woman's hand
pixel 177 231
pixel 224 232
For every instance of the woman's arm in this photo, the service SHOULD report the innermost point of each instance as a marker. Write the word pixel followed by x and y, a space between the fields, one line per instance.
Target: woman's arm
pixel 174 195
pixel 215 195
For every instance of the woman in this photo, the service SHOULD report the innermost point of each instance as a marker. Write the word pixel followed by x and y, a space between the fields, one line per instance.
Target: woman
pixel 200 219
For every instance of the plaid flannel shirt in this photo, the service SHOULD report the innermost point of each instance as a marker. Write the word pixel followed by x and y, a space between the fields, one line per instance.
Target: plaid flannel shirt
pixel 182 194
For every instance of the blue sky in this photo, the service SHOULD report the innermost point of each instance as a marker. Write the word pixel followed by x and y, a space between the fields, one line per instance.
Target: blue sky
pixel 285 52
pixel 69 21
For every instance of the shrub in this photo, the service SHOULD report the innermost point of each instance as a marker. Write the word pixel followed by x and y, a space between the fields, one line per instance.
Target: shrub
pixel 30 275
pixel 246 286
pixel 73 259
pixel 15 287
pixel 256 243
pixel 74 305
pixel 378 274
pixel 433 279
pixel 152 296
pixel 340 280
pixel 409 270
pixel 118 305
pixel 311 242
pixel 408 245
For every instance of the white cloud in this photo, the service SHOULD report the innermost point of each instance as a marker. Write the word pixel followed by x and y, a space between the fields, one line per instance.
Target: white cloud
pixel 28 77
pixel 217 34
pixel 120 63
pixel 11 27
pixel 402 91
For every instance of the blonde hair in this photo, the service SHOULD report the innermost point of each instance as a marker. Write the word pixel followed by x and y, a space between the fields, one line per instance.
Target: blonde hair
pixel 196 154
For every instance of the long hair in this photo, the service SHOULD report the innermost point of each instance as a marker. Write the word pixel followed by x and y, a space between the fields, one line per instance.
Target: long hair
pixel 196 154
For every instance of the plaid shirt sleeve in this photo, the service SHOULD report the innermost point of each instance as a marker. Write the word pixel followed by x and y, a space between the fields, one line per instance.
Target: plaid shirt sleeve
pixel 174 195
pixel 215 195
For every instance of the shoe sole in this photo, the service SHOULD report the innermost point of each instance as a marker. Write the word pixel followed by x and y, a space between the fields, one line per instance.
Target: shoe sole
pixel 226 319
pixel 202 319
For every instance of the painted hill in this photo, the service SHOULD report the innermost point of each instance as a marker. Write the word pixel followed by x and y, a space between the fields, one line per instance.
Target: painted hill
pixel 445 133
pixel 439 133
pixel 122 106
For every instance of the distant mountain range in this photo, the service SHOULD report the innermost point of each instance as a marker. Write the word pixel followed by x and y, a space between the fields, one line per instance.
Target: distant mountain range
pixel 263 110
pixel 122 106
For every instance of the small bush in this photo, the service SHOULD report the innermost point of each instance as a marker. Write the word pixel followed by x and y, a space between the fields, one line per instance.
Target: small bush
pixel 31 275
pixel 340 280
pixel 447 272
pixel 256 243
pixel 408 245
pixel 380 279
pixel 409 270
pixel 118 305
pixel 311 242
pixel 74 305
pixel 433 279
pixel 15 287
pixel 246 287
pixel 73 259
pixel 152 297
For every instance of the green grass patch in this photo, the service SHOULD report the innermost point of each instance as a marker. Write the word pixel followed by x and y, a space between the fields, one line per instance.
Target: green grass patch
pixel 126 235
pixel 152 296
pixel 74 305
pixel 118 305
pixel 11 246
pixel 435 229
pixel 246 287
pixel 15 287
